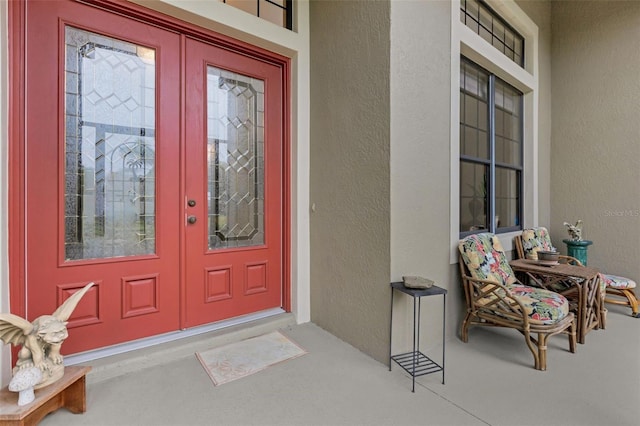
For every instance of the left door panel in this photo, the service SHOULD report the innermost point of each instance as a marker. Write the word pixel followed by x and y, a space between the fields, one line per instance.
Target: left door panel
pixel 102 172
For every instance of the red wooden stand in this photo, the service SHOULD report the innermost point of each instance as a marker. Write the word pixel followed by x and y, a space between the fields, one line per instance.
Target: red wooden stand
pixel 68 392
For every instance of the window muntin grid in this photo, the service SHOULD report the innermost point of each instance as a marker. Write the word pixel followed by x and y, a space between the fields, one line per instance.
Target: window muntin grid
pixel 478 16
pixel 280 12
pixel 491 152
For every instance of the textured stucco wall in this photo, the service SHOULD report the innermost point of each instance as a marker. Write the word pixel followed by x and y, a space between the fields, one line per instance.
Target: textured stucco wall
pixel 380 163
pixel 350 171
pixel 595 150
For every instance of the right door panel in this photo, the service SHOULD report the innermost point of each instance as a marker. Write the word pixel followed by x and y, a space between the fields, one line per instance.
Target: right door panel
pixel 234 184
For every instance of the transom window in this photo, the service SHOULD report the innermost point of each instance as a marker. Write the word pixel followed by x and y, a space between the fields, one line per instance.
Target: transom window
pixel 491 152
pixel 280 12
pixel 478 16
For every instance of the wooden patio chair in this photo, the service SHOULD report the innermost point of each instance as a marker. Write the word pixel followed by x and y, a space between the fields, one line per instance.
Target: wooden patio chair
pixel 614 289
pixel 494 297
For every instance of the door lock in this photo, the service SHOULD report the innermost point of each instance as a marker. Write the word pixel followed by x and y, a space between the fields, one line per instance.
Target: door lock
pixel 191 203
pixel 192 219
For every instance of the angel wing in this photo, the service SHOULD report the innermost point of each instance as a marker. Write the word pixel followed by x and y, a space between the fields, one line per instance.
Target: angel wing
pixel 14 329
pixel 65 310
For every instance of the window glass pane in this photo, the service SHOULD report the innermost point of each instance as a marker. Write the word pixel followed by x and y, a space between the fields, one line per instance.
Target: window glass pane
pixel 507 197
pixel 235 163
pixel 508 124
pixel 486 34
pixel 109 147
pixel 483 115
pixel 471 111
pixel 478 169
pixel 473 196
pixel 474 111
pixel 472 9
pixel 249 6
pixel 470 146
pixel 498 30
pixel 508 39
pixel 273 12
pixel 486 19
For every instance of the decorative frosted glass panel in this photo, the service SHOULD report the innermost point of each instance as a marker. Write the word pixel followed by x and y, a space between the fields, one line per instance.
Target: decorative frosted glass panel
pixel 235 163
pixel 109 147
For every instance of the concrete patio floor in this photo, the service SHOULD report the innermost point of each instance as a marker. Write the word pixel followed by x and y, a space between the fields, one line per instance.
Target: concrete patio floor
pixel 489 381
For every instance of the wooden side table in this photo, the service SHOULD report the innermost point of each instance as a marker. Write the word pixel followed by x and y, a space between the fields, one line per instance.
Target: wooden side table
pixel 415 362
pixel 583 278
pixel 68 392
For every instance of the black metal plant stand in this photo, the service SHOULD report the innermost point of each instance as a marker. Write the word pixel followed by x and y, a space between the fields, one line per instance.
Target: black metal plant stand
pixel 415 362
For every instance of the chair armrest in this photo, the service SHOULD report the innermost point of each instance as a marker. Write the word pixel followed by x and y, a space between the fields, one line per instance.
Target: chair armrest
pixel 495 299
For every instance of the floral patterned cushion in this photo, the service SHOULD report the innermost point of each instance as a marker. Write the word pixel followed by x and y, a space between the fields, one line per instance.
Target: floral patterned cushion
pixel 484 256
pixel 542 306
pixel 615 281
pixel 534 240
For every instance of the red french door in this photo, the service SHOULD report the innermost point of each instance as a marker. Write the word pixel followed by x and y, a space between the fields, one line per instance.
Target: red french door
pixel 233 184
pixel 164 188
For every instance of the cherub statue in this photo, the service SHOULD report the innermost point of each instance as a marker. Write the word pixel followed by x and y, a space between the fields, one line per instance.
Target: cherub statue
pixel 575 231
pixel 41 340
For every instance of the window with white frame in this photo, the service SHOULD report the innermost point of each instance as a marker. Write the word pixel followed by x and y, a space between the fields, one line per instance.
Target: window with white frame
pixel 491 123
pixel 494 144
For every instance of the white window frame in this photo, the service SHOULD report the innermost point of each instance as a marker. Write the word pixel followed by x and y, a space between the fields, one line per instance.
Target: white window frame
pixel 465 41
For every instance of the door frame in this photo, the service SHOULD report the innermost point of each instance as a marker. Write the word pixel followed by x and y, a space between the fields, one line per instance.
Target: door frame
pixel 16 132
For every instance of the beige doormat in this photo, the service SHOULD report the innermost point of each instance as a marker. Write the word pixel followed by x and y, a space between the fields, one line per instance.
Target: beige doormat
pixel 241 359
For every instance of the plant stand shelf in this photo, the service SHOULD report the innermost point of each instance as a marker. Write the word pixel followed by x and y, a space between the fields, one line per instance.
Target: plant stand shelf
pixel 68 392
pixel 415 362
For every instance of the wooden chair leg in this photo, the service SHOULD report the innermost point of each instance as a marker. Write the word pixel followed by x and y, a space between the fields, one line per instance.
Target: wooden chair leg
pixel 602 313
pixel 571 331
pixel 464 330
pixel 535 349
pixel 542 349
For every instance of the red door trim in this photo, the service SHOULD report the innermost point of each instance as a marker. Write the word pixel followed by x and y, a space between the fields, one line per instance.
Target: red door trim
pixel 170 23
pixel 17 279
pixel 16 130
pixel 183 185
pixel 286 189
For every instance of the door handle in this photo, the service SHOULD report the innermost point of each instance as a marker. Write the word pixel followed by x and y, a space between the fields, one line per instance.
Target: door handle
pixel 192 219
pixel 191 203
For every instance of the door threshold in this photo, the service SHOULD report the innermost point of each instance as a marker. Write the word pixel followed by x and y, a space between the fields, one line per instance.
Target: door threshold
pixel 128 357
